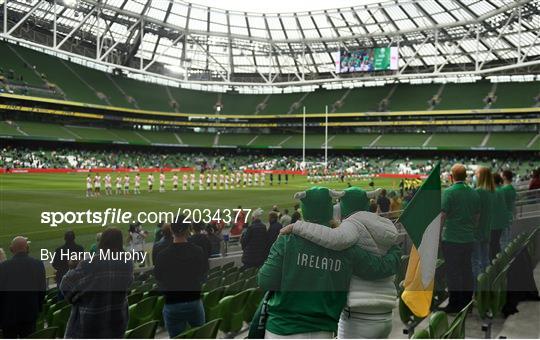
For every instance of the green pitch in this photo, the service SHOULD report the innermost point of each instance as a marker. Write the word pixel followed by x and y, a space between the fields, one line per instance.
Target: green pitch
pixel 25 196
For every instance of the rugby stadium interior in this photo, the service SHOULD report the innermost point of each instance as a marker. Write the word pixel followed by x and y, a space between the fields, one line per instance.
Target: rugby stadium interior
pixel 232 105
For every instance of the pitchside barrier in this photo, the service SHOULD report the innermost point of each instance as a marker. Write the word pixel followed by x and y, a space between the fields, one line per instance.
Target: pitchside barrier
pixel 183 169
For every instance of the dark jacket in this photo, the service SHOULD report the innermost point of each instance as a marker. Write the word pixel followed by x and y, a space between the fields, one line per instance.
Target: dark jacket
pixel 254 243
pixel 22 289
pixel 60 264
pixel 215 241
pixel 273 233
pixel 180 271
pixel 202 241
pixel 159 246
pixel 98 294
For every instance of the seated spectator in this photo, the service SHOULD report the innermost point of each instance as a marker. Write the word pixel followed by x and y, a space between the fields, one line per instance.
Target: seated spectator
pixel 180 271
pixel 22 291
pixel 254 242
pixel 97 291
pixel 200 239
pixel 2 255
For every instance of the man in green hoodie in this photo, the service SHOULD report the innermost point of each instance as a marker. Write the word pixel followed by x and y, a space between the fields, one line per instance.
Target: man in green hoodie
pixel 310 283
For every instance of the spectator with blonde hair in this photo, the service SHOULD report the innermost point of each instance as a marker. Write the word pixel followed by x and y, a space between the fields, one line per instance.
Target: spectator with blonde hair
pixel 459 218
pixel 486 191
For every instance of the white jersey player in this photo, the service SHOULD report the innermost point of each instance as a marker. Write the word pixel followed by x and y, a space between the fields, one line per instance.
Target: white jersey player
pixel 175 182
pixel 118 182
pixel 256 179
pixel 184 182
pixel 137 189
pixel 161 182
pixel 244 178
pixel 126 184
pixel 192 182
pixel 201 181
pixel 226 182
pixel 221 181
pixel 215 180
pixel 263 179
pixel 89 186
pixel 108 187
pixel 250 179
pixel 208 181
pixel 97 185
pixel 150 180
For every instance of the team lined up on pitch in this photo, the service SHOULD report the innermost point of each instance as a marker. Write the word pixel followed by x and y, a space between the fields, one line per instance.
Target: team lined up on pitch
pixel 209 181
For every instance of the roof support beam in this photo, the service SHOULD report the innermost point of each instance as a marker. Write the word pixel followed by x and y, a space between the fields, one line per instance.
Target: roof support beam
pixel 26 16
pixel 76 28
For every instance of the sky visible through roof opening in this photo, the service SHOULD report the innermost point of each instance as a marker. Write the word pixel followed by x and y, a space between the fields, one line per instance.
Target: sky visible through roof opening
pixel 281 6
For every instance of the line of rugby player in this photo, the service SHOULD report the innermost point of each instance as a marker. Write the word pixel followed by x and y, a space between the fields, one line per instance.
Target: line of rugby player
pixel 206 181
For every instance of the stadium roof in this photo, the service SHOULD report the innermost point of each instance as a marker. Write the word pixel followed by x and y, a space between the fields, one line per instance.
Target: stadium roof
pixel 196 43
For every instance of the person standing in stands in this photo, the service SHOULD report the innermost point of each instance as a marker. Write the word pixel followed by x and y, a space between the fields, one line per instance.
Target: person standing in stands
pixel 97 291
pixel 285 218
pixel 165 241
pixel 499 222
pixel 215 239
pixel 60 263
pixel 459 218
pixel 22 291
pixel 486 191
pixel 383 203
pixel 509 193
pixel 254 242
pixel 200 239
pixel 273 228
pixel 180 271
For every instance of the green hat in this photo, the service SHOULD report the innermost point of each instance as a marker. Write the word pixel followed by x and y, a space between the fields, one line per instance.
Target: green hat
pixel 354 200
pixel 317 204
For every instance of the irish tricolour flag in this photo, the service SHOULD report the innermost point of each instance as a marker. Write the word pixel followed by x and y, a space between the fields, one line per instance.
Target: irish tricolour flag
pixel 422 220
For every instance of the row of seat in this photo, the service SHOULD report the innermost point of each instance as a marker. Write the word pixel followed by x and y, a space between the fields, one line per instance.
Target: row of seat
pixel 489 299
pixel 439 327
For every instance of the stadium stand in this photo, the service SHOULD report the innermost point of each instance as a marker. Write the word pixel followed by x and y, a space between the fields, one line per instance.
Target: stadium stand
pixel 496 140
pixel 87 85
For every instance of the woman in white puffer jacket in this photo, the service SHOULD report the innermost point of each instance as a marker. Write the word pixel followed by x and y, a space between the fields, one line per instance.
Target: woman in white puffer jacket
pixel 370 303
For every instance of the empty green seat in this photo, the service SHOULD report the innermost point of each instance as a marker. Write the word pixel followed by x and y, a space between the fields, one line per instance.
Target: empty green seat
pixel 482 295
pixel 230 278
pixel 211 284
pixel 53 308
pixel 457 328
pixel 134 298
pixel 421 334
pixel 252 302
pixel 211 303
pixel 158 309
pixel 141 312
pixel 207 331
pixel 46 333
pixel 232 311
pixel 251 282
pixel 227 265
pixel 438 324
pixel 60 320
pixel 234 288
pixel 144 331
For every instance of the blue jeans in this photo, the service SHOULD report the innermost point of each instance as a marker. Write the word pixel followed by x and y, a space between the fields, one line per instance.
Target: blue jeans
pixel 480 259
pixel 506 237
pixel 178 315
